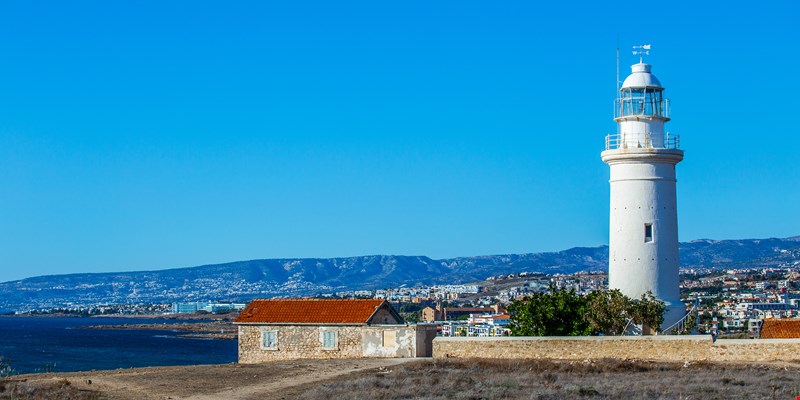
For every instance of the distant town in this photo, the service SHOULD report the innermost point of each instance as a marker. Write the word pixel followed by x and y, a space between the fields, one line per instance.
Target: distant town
pixel 725 302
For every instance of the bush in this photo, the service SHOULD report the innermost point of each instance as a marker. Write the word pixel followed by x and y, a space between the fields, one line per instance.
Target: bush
pixel 557 312
pixel 5 368
pixel 561 312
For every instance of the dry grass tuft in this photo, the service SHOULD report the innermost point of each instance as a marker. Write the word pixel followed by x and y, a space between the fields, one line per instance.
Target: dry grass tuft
pixel 550 379
pixel 61 389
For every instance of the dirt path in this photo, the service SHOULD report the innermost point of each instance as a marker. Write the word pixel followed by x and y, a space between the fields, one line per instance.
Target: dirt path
pixel 205 382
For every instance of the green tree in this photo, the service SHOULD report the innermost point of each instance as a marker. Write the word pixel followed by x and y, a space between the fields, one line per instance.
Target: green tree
pixel 561 312
pixel 608 312
pixel 688 326
pixel 648 310
pixel 557 312
pixel 411 317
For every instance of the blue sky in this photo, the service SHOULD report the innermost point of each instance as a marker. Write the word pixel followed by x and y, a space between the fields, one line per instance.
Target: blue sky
pixel 150 135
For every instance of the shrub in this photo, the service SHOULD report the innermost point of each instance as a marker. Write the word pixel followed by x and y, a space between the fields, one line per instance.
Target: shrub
pixel 561 312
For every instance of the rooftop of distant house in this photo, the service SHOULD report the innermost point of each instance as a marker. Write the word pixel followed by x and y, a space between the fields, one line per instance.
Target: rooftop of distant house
pixel 780 328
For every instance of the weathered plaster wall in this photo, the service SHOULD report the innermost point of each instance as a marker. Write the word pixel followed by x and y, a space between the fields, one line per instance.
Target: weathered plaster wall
pixel 666 348
pixel 392 341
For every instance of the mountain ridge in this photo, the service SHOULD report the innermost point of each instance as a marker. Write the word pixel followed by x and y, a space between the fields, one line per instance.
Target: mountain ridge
pixel 244 280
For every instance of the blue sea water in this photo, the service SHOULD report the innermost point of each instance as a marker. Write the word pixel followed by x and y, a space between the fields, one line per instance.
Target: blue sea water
pixel 37 344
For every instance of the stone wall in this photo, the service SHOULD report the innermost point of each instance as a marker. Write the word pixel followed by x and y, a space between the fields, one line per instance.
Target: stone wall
pixel 306 342
pixel 384 316
pixel 297 341
pixel 756 350
pixel 665 348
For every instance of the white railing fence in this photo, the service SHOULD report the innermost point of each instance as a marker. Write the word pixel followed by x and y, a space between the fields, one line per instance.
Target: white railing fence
pixel 685 325
pixel 643 141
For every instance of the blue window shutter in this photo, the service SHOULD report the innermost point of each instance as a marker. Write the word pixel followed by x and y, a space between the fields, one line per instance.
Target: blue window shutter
pixel 329 339
pixel 269 339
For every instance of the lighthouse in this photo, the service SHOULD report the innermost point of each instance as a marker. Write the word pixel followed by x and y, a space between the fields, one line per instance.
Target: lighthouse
pixel 642 155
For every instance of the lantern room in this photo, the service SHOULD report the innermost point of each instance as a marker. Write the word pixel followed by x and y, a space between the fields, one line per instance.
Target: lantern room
pixel 641 95
pixel 640 111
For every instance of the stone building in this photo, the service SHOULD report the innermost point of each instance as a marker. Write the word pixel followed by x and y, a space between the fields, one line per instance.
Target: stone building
pixel 281 329
pixel 453 313
pixel 430 314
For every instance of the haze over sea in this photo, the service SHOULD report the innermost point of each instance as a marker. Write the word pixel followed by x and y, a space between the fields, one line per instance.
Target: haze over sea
pixel 57 344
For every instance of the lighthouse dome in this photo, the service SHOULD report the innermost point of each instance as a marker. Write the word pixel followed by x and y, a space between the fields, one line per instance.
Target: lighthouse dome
pixel 641 77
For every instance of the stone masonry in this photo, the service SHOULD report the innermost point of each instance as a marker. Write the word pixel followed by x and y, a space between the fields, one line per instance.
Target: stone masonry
pixel 305 342
pixel 663 348
pixel 297 341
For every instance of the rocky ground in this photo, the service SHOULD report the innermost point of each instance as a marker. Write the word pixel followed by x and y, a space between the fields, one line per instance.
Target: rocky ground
pixel 199 325
pixel 420 379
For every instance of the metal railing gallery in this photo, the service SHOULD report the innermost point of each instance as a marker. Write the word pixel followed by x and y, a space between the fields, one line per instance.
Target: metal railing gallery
pixel 643 141
pixel 686 325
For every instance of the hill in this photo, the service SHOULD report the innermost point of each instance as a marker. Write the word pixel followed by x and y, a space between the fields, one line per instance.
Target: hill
pixel 244 280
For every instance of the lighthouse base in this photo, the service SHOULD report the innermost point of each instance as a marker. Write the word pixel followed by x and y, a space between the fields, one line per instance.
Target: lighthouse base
pixel 673 314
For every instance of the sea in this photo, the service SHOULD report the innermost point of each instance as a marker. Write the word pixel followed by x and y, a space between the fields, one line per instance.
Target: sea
pixel 58 344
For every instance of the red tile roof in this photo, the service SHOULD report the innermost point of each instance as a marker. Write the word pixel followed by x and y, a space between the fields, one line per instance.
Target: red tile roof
pixel 780 328
pixel 310 311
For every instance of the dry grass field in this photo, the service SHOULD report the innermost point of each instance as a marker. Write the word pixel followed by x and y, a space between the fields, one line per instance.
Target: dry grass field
pixel 420 379
pixel 545 379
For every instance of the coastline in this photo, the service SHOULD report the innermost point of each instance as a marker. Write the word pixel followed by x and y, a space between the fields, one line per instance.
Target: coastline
pixel 200 330
pixel 177 317
pixel 64 344
pixel 196 326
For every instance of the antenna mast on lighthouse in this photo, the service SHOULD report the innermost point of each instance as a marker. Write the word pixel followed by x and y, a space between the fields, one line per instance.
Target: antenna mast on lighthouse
pixel 617 81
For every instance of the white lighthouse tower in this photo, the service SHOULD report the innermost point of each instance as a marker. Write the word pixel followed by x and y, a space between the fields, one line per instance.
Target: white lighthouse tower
pixel 643 241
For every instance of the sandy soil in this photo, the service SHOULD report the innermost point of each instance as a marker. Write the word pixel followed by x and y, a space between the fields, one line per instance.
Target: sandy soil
pixel 278 380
